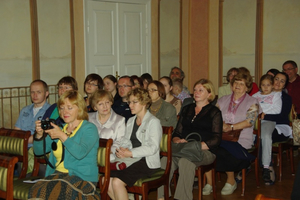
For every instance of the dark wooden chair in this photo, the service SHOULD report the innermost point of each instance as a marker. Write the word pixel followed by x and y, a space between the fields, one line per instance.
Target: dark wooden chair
pixel 287 146
pixel 21 188
pixel 7 166
pixel 142 186
pixel 15 143
pixel 255 150
pixel 103 160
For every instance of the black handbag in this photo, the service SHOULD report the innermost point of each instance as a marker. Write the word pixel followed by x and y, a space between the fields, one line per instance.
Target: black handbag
pixel 190 150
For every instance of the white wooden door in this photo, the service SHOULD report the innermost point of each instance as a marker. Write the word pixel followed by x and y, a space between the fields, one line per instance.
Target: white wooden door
pixel 117 38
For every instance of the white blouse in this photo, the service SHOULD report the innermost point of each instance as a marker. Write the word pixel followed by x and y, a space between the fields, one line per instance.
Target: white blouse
pixel 113 128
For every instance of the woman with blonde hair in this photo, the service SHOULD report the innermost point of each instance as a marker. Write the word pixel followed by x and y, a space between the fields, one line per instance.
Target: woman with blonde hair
pixel 204 121
pixel 73 151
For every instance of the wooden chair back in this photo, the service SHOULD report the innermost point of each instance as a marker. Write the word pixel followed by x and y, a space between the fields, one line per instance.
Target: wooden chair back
pixel 142 186
pixel 15 143
pixel 7 166
pixel 103 161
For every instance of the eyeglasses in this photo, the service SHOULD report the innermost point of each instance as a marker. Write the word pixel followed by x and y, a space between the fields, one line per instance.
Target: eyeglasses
pixel 152 90
pixel 288 69
pixel 92 84
pixel 64 88
pixel 124 86
pixel 134 102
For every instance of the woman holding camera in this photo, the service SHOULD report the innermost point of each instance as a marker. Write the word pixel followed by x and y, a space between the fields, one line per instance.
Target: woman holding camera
pixel 73 152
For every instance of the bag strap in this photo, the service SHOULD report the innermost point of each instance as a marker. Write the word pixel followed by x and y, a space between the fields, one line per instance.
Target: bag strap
pixel 46 158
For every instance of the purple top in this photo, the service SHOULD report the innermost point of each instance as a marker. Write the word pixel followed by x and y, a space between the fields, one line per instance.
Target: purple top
pixel 247 106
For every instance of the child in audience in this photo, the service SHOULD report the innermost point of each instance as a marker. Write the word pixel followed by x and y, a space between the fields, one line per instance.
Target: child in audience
pixel 271 103
pixel 269 100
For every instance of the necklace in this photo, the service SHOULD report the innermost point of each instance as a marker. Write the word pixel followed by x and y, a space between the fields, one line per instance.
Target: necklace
pixel 154 110
pixel 196 113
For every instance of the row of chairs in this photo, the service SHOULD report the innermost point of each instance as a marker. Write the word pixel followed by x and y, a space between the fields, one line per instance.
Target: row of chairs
pixel 13 148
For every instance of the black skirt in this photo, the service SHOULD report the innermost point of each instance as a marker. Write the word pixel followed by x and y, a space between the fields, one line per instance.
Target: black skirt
pixel 134 172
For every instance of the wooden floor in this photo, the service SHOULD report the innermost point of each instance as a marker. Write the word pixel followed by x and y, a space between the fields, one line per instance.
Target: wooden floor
pixel 280 190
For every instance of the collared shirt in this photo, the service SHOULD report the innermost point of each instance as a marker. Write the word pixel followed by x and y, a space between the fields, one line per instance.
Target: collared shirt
pixel 26 120
pixel 294 91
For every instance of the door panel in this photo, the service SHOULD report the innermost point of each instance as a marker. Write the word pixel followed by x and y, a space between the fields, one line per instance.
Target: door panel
pixel 132 39
pixel 102 48
pixel 116 38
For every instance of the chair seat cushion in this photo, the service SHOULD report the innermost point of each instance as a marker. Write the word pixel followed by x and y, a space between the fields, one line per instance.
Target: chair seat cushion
pixel 21 189
pixel 276 144
pixel 155 176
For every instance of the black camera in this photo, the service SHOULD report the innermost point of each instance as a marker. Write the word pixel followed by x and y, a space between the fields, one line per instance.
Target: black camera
pixel 45 124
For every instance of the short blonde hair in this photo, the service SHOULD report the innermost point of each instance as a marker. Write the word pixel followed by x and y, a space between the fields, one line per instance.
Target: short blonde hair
pixel 142 96
pixel 76 99
pixel 100 95
pixel 207 84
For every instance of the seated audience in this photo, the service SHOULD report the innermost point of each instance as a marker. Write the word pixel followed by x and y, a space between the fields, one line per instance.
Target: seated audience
pixel 161 109
pixel 201 118
pixel 29 114
pixel 177 73
pixel 92 83
pixel 168 84
pixel 109 124
pixel 120 106
pixel 293 87
pixel 147 78
pixel 141 140
pixel 254 89
pixel 66 83
pixel 178 91
pixel 272 72
pixel 137 82
pixel 110 84
pixel 269 100
pixel 239 111
pixel 73 151
pixel 275 128
pixel 226 89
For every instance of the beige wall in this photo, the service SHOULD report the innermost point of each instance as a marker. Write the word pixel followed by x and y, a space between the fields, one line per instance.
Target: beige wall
pixel 281 33
pixel 15 48
pixel 239 34
pixel 169 35
pixel 15 43
pixel 280 38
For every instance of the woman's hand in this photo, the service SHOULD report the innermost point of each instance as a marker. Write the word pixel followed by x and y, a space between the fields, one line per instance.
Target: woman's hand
pixel 226 127
pixel 263 115
pixel 38 129
pixel 123 153
pixel 178 140
pixel 56 133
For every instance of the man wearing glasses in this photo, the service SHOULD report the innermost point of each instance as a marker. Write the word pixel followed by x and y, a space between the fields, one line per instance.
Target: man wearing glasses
pixel 120 106
pixel 291 69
